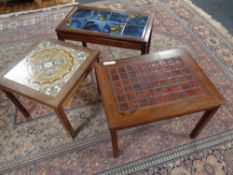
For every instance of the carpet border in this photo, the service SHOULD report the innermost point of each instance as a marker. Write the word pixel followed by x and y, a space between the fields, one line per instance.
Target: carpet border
pixel 221 29
pixel 172 155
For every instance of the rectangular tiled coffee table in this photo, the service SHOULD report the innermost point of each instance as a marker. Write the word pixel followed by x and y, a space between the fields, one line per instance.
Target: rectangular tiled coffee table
pixel 155 87
pixel 108 27
pixel 50 72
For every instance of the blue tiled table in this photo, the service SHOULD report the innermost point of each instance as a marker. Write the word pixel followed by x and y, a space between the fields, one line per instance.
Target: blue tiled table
pixel 104 26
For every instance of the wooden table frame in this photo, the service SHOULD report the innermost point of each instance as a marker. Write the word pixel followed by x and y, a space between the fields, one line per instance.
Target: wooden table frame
pixel 117 120
pixel 142 44
pixel 58 102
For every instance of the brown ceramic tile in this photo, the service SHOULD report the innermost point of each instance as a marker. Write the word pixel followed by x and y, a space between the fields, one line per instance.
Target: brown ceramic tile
pixel 121 98
pixel 133 104
pixel 117 83
pixel 154 82
pixel 123 106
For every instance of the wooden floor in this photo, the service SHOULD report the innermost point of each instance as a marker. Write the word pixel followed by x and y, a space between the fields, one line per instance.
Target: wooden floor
pixel 29 5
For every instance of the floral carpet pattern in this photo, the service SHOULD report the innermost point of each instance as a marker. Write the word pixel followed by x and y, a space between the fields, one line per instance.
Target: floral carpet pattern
pixel 41 145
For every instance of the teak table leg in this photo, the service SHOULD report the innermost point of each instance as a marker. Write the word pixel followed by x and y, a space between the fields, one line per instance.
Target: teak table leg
pixel 97 83
pixel 17 104
pixel 114 143
pixel 148 44
pixel 60 37
pixel 84 44
pixel 144 49
pixel 203 121
pixel 65 122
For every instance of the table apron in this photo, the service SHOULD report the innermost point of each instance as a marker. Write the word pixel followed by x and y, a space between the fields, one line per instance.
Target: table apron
pixel 137 45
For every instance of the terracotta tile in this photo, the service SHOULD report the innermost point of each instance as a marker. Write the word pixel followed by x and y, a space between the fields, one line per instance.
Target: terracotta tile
pixel 128 89
pixel 188 93
pixel 163 83
pixel 123 75
pixel 155 84
pixel 125 82
pixel 146 85
pixel 119 90
pixel 117 83
pixel 163 99
pixel 113 71
pixel 158 91
pixel 115 77
pixel 143 102
pixel 123 106
pixel 129 68
pixel 198 91
pixel 133 104
pixel 131 96
pixel 132 75
pixel 140 94
pixel 148 92
pixel 121 69
pixel 180 95
pixel 137 87
pixel 195 83
pixel 153 100
pixel 121 98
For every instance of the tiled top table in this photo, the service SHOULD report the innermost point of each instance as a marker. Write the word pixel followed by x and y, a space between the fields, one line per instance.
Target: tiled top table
pixel 155 87
pixel 50 72
pixel 108 27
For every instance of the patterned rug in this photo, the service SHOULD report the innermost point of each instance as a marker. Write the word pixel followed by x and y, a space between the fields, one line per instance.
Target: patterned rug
pixel 42 146
pixel 18 7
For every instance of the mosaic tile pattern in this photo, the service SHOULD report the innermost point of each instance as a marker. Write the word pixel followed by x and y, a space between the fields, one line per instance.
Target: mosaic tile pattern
pixel 47 68
pixel 108 22
pixel 153 82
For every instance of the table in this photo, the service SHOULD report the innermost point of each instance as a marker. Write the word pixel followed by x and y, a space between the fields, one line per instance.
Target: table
pixel 50 72
pixel 123 29
pixel 154 87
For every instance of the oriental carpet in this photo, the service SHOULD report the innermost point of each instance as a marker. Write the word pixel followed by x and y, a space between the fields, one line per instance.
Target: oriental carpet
pixel 41 145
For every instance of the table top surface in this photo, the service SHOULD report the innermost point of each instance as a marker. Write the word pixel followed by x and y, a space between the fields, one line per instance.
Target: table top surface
pixel 47 68
pixel 93 20
pixel 153 82
pixel 159 85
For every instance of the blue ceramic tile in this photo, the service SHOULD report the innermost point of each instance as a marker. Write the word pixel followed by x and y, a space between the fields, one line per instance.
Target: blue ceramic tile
pixel 137 20
pixel 108 22
pixel 82 13
pixel 133 31
pixel 119 17
pixel 113 28
pixel 94 26
pixel 100 15
pixel 75 23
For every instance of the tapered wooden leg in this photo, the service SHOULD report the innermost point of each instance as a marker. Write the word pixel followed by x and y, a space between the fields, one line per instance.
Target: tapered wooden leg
pixel 203 121
pixel 143 49
pixel 60 37
pixel 114 143
pixel 65 122
pixel 84 44
pixel 17 104
pixel 148 44
pixel 97 82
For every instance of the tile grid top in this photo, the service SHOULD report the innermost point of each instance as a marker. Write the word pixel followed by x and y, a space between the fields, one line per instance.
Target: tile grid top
pixel 139 85
pixel 108 22
pixel 47 68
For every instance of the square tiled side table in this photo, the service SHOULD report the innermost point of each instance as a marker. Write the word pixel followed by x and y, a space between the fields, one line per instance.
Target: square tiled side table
pixel 50 72
pixel 124 29
pixel 158 86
